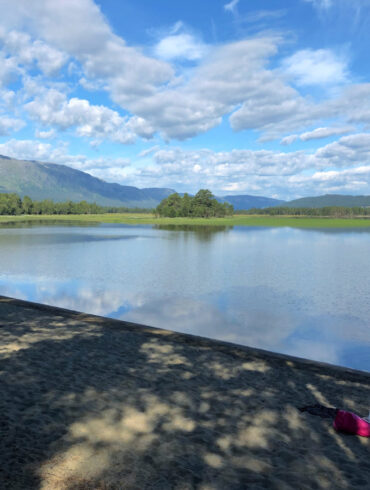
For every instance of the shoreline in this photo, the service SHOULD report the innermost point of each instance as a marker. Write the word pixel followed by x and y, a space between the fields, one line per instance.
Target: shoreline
pixel 92 402
pixel 192 339
pixel 303 222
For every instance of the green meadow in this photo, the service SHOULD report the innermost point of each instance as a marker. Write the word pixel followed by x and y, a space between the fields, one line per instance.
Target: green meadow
pixel 237 220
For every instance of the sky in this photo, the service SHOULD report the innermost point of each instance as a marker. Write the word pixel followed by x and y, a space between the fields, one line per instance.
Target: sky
pixel 240 97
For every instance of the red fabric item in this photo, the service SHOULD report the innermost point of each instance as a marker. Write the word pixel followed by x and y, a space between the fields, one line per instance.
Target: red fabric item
pixel 351 423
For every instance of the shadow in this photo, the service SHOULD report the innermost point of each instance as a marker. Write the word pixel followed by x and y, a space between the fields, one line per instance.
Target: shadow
pixel 94 403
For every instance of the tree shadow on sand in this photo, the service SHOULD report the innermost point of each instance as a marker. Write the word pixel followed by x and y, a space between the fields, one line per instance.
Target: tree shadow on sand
pixel 92 403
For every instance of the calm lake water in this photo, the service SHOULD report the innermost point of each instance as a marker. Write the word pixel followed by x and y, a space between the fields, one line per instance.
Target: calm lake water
pixel 300 292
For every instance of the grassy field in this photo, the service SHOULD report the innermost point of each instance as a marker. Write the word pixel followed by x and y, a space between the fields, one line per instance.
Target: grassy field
pixel 239 220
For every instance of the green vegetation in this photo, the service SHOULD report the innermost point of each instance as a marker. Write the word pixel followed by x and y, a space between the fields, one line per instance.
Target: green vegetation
pixel 239 220
pixel 202 205
pixel 13 205
pixel 327 211
pixel 15 210
pixel 329 200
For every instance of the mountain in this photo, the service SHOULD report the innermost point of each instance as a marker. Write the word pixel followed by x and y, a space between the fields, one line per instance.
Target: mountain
pixel 61 183
pixel 329 200
pixel 248 202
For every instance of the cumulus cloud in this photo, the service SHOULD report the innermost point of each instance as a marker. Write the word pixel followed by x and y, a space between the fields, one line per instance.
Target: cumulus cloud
pixel 232 76
pixel 347 151
pixel 53 108
pixel 316 67
pixel 265 172
pixel 91 41
pixel 234 79
pixel 342 166
pixel 46 152
pixel 25 51
pixel 354 180
pixel 8 69
pixel 180 45
pixel 9 125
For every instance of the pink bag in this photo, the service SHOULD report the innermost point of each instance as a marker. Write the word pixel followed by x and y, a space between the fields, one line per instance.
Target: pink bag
pixel 351 423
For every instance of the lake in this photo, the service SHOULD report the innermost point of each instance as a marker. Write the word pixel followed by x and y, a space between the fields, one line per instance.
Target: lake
pixel 299 292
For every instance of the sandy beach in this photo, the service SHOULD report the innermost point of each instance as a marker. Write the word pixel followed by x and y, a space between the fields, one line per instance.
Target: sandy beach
pixel 93 403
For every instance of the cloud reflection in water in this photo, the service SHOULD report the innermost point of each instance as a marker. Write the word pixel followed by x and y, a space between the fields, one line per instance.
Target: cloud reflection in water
pixel 235 315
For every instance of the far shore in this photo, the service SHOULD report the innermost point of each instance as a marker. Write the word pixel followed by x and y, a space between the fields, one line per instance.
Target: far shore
pixel 236 220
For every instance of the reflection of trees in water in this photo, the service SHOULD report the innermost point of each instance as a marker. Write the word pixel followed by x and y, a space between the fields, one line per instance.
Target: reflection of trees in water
pixel 202 233
pixel 49 222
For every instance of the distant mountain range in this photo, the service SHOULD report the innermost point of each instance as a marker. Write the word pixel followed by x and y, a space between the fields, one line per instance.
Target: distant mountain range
pixel 62 183
pixel 248 202
pixel 329 200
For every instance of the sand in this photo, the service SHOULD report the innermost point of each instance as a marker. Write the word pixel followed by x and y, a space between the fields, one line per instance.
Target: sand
pixel 93 403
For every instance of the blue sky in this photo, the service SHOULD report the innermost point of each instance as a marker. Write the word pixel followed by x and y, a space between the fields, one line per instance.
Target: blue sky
pixel 240 97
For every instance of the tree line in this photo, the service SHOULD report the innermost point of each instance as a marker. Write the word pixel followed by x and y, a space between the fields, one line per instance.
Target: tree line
pixel 326 211
pixel 12 204
pixel 202 205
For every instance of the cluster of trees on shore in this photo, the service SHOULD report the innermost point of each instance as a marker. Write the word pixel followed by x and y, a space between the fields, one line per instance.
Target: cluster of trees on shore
pixel 202 205
pixel 12 204
pixel 326 211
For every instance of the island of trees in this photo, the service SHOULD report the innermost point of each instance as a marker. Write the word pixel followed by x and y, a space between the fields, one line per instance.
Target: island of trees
pixel 202 205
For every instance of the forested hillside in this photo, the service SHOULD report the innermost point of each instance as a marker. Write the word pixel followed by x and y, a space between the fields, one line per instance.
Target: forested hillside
pixel 60 183
pixel 329 200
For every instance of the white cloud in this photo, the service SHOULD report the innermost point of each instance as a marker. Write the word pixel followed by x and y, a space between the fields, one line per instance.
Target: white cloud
pixel 343 166
pixel 355 180
pixel 288 140
pixel 31 150
pixel 24 51
pixel 53 108
pixel 233 80
pixel 264 172
pixel 8 69
pixel 9 124
pixel 347 151
pixel 86 35
pixel 45 134
pixel 231 6
pixel 318 133
pixel 46 152
pixel 7 98
pixel 180 46
pixel 148 151
pixel 316 67
pixel 231 74
pixel 321 4
pixel 327 5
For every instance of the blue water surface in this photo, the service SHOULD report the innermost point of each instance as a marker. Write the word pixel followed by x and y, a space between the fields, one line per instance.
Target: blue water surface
pixel 299 292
